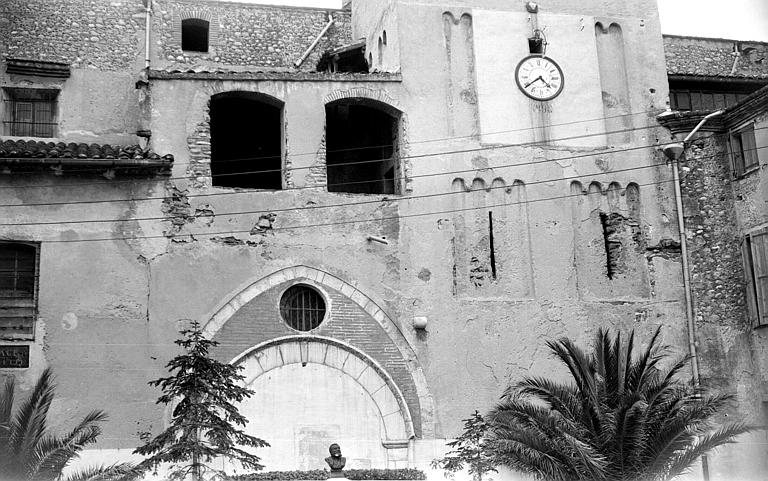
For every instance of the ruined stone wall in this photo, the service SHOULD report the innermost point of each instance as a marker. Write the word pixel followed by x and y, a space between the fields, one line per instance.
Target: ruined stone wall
pixel 84 33
pixel 715 57
pixel 109 35
pixel 717 274
pixel 249 35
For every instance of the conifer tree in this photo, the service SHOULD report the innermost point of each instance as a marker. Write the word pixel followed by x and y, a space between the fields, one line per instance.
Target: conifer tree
pixel 205 423
pixel 469 450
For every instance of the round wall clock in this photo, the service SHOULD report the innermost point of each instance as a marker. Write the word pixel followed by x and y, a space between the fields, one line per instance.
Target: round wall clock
pixel 540 78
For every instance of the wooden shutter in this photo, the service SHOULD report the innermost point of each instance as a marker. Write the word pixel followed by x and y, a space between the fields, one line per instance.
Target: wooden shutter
pixel 737 157
pixel 749 280
pixel 749 147
pixel 760 268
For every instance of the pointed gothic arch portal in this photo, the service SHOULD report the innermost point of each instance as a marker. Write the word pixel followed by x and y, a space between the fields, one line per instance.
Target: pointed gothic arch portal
pixel 312 391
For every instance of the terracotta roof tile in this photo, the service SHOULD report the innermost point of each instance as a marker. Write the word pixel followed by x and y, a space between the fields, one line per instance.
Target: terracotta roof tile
pixel 37 153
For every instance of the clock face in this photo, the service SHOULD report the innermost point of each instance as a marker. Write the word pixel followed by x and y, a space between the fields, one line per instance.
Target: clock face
pixel 539 77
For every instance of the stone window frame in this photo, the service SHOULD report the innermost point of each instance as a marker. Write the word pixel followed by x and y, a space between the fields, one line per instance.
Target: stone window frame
pixel 314 286
pixel 14 96
pixel 25 304
pixel 754 255
pixel 742 148
pixel 197 14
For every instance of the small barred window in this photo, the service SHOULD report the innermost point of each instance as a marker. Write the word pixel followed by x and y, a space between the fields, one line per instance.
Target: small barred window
pixel 302 307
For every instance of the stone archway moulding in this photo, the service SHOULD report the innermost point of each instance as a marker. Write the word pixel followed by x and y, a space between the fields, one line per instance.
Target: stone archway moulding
pixel 305 349
pixel 251 290
pixel 363 93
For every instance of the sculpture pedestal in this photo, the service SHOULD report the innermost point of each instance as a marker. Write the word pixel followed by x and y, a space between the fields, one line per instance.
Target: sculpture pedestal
pixel 337 475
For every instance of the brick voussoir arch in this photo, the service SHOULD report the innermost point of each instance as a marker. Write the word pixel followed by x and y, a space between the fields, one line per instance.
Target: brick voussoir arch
pixel 363 93
pixel 339 355
pixel 250 290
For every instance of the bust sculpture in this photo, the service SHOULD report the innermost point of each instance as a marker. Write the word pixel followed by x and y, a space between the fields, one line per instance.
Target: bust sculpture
pixel 335 461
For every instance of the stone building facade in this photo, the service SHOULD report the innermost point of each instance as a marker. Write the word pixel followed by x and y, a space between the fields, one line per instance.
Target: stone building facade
pixel 725 218
pixel 384 244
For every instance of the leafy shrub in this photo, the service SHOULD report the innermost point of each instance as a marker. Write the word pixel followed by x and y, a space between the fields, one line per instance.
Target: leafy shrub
pixel 321 474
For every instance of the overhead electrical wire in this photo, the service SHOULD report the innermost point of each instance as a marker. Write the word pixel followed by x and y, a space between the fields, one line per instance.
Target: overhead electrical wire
pixel 346 204
pixel 324 186
pixel 495 146
pixel 327 224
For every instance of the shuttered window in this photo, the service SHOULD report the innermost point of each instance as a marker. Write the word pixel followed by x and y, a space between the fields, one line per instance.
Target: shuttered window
pixel 754 251
pixel 743 150
pixel 18 290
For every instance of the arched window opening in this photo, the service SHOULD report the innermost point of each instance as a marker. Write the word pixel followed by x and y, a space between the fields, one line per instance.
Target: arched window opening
pixel 194 35
pixel 362 147
pixel 246 141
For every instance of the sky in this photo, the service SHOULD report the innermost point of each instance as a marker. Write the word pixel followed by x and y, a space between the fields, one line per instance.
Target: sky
pixel 733 19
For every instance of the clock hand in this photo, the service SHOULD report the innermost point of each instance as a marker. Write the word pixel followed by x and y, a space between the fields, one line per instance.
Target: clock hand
pixel 534 81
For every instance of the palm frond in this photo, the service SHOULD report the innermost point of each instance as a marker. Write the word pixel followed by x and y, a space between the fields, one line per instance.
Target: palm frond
pixel 625 416
pixel 114 472
pixel 29 424
pixel 681 461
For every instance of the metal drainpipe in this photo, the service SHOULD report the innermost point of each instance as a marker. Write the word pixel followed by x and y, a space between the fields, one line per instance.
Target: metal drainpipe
pixel 686 270
pixel 315 42
pixel 147 27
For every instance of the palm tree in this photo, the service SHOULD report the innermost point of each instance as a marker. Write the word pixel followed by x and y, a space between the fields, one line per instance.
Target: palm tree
pixel 622 418
pixel 28 451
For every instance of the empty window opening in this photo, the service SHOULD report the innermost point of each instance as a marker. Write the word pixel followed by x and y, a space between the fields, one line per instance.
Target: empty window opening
pixel 384 37
pixel 361 142
pixel 246 141
pixel 194 35
pixel 30 112
pixel 490 242
pixel 18 290
pixel 302 307
pixel 348 58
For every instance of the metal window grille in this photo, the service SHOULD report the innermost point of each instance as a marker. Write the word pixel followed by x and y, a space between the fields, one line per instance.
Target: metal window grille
pixel 18 293
pixel 302 307
pixel 30 112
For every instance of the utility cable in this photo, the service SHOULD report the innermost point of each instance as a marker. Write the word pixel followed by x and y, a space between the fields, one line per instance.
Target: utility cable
pixel 98 169
pixel 395 196
pixel 519 164
pixel 193 236
pixel 328 206
pixel 363 162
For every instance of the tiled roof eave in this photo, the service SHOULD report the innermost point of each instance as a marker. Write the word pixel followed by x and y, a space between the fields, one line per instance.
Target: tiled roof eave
pixel 140 167
pixel 288 76
pixel 71 157
pixel 740 78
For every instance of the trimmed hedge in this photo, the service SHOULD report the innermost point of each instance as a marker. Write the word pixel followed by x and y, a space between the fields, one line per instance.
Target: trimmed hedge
pixel 321 474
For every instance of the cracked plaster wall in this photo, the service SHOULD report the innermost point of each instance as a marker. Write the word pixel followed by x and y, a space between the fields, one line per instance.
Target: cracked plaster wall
pixel 475 343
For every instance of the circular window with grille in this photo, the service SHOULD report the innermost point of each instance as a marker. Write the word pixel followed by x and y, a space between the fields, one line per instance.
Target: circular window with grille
pixel 302 307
